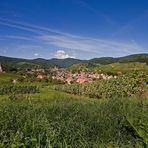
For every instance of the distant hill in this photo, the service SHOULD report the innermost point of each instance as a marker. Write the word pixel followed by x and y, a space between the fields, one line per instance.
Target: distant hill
pixel 13 63
pixel 113 65
pixel 103 60
pixel 65 62
pixel 9 63
pixel 142 58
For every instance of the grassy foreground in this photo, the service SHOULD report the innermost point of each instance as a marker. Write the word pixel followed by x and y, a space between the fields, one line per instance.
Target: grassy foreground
pixel 55 119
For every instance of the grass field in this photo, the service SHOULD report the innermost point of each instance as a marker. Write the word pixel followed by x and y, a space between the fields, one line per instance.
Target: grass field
pixel 57 119
pixel 6 77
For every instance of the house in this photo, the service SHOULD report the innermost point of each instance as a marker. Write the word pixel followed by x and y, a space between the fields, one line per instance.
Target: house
pixel 38 70
pixel 80 77
pixel 82 80
pixel 41 76
pixel 69 80
pixel 103 76
pixel 109 77
pixel 60 78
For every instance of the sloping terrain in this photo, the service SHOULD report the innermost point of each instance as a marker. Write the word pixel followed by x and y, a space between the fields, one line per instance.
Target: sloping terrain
pixel 65 62
pixel 9 63
pixel 142 58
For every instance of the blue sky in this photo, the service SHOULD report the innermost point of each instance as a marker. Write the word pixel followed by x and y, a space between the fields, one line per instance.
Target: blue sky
pixel 73 28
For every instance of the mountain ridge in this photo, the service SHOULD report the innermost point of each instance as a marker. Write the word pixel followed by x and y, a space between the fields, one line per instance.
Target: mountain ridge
pixel 10 62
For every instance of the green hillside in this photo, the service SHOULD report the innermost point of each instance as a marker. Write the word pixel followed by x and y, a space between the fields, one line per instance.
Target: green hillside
pixel 142 58
pixel 103 60
pixel 110 68
pixel 65 62
pixel 113 65
pixel 9 63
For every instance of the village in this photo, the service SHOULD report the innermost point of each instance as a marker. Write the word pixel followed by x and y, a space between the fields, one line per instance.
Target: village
pixel 73 77
pixel 66 76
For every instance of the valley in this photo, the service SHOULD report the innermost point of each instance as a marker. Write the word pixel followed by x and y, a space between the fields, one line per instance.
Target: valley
pixel 73 73
pixel 81 105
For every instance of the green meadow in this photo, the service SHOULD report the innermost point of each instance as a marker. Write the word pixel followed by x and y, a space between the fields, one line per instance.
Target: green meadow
pixel 49 119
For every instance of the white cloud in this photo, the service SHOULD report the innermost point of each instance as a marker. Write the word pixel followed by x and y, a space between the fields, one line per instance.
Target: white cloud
pixel 92 45
pixel 61 54
pixel 36 54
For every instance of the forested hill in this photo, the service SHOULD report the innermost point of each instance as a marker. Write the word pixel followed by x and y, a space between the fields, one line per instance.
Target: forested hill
pixel 143 58
pixel 65 62
pixel 10 63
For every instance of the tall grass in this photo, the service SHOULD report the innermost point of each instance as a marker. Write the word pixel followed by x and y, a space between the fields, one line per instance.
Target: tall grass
pixel 65 122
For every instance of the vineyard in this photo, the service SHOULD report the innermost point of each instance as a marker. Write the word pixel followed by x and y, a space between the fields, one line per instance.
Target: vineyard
pixel 16 89
pixel 125 86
